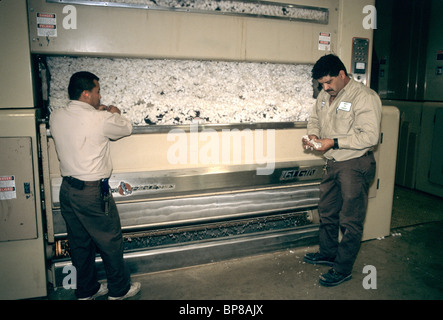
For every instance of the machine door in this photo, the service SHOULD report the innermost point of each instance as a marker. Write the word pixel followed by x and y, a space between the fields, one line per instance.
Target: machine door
pixel 436 171
pixel 17 200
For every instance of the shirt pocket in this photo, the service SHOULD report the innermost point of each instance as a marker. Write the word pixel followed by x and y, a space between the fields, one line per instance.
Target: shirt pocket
pixel 342 122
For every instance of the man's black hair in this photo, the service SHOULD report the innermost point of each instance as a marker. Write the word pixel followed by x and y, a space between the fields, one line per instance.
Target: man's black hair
pixel 329 65
pixel 79 82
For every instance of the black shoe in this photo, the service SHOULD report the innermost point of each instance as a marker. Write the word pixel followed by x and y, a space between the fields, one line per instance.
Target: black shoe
pixel 318 258
pixel 333 278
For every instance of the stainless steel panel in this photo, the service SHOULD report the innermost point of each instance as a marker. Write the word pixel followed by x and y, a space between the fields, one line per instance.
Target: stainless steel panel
pixel 173 183
pixel 196 198
pixel 216 207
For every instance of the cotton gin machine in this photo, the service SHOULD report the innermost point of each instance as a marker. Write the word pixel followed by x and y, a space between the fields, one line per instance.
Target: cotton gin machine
pixel 219 101
pixel 189 215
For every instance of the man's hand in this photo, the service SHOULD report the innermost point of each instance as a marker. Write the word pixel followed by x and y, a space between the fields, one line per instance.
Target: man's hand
pixel 314 143
pixel 326 144
pixel 111 109
pixel 307 142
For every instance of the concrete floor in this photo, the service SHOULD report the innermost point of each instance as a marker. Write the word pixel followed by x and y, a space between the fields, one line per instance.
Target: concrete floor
pixel 408 264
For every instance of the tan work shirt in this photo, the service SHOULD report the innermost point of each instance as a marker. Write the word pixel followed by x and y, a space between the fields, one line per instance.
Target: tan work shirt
pixel 353 117
pixel 82 139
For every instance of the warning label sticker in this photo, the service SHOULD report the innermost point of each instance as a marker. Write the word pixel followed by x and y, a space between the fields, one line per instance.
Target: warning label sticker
pixel 324 41
pixel 7 187
pixel 46 24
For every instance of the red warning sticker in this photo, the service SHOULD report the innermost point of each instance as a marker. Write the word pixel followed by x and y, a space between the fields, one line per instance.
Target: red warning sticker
pixel 46 24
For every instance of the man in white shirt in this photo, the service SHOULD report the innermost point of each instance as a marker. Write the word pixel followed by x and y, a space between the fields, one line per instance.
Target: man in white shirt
pixel 82 132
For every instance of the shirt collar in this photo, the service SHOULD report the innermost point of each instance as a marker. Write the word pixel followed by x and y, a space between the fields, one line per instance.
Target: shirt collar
pixel 349 86
pixel 81 104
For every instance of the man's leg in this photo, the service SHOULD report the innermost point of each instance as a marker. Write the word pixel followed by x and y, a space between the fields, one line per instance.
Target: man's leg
pixel 355 177
pixel 105 230
pixel 329 208
pixel 83 249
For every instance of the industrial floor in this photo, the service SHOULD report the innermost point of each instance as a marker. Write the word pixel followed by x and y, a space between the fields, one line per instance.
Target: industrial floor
pixel 407 265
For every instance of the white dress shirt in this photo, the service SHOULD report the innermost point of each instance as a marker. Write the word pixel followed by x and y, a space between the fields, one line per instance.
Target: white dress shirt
pixel 82 137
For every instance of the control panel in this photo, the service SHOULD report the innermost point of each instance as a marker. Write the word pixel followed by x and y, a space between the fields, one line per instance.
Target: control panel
pixel 360 58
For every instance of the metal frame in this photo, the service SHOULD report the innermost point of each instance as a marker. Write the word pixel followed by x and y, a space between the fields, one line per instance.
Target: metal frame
pixel 191 10
pixel 219 127
pixel 148 129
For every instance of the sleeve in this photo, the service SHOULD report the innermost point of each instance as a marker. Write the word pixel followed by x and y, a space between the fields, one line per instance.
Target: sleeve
pixel 116 126
pixel 313 127
pixel 365 132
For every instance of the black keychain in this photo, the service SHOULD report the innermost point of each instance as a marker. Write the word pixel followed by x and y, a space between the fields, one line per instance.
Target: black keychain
pixel 106 195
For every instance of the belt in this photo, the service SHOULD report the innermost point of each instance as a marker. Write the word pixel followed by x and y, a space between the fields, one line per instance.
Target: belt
pixel 367 153
pixel 93 183
pixel 74 182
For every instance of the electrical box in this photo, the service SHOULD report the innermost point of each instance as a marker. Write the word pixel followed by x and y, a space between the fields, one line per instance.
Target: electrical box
pixel 22 244
pixel 360 59
pixel 17 201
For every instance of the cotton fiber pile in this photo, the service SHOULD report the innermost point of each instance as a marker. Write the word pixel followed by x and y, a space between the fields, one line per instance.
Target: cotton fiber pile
pixel 167 92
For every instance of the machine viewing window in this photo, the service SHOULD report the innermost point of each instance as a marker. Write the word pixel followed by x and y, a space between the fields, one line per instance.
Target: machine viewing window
pixel 180 92
pixel 252 8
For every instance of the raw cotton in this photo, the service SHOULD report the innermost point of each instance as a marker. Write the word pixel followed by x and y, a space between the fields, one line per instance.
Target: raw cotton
pixel 171 92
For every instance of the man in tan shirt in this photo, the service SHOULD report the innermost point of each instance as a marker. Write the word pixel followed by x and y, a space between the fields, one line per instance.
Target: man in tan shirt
pixel 82 132
pixel 345 125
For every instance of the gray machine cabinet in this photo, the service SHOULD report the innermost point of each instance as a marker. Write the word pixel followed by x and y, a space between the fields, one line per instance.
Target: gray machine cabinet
pixel 17 200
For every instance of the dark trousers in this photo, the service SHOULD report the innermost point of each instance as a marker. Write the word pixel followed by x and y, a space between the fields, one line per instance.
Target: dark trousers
pixel 343 203
pixel 91 230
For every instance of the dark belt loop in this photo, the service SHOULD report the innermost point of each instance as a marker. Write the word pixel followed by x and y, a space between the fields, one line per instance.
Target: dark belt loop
pixel 75 183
